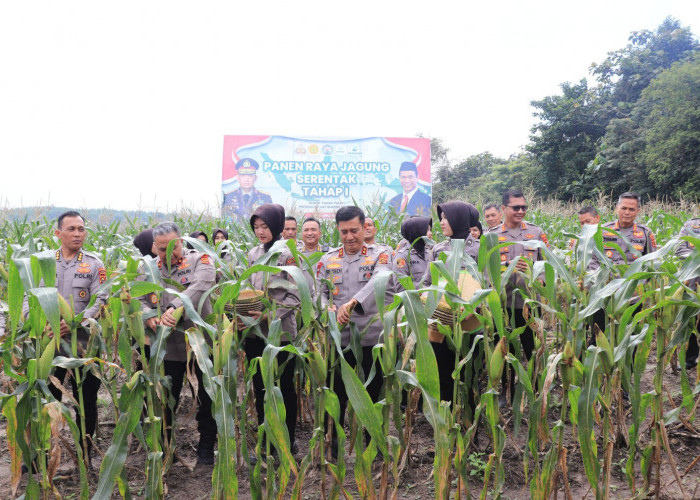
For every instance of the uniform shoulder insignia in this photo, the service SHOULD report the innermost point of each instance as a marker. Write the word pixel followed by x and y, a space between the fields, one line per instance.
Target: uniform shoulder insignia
pixel 401 263
pixel 290 261
pixel 102 274
pixel 543 237
pixel 652 238
pixel 205 259
pixel 383 258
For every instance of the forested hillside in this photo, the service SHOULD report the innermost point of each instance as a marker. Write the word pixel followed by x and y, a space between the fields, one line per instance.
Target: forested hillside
pixel 634 124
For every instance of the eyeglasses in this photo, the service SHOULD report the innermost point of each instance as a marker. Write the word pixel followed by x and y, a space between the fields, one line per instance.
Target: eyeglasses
pixel 518 208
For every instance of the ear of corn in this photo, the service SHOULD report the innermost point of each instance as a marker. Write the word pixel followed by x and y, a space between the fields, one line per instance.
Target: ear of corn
pixel 647 302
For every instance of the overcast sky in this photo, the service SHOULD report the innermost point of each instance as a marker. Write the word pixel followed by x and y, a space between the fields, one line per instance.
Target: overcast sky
pixel 125 104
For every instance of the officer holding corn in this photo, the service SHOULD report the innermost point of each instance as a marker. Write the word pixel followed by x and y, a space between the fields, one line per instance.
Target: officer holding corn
pixel 195 273
pixel 351 271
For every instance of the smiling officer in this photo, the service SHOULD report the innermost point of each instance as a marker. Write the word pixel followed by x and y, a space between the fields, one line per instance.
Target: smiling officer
pixel 633 239
pixel 78 277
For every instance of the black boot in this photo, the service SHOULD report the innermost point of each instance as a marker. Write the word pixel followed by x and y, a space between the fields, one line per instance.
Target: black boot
pixel 205 450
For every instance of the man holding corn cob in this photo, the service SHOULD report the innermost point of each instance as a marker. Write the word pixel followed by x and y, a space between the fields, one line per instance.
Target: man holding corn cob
pixel 351 270
pixel 518 231
pixel 194 272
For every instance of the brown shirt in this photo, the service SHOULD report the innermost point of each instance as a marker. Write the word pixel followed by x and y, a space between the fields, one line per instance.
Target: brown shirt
pixel 196 274
pixel 285 299
pixel 525 231
pixel 640 241
pixel 352 277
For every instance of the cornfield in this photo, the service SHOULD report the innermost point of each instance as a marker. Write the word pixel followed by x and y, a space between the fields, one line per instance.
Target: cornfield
pixel 616 409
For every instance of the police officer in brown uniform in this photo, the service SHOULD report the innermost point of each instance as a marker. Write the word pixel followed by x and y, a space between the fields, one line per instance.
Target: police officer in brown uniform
pixel 350 270
pixel 492 216
pixel 456 219
pixel 414 260
pixel 195 272
pixel 371 234
pixel 690 228
pixel 79 276
pixel 310 237
pixel 267 223
pixel 634 239
pixel 516 229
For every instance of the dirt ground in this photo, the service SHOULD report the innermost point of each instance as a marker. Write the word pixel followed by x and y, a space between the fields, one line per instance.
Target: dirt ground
pixel 416 480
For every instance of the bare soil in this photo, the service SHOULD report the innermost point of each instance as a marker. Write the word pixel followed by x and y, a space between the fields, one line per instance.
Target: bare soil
pixel 188 482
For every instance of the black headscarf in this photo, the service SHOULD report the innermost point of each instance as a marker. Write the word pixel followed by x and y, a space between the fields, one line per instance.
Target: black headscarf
pixel 481 229
pixel 461 217
pixel 272 214
pixel 413 228
pixel 196 234
pixel 144 242
pixel 218 230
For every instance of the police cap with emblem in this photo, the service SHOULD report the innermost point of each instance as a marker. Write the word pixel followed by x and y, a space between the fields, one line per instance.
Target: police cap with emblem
pixel 247 166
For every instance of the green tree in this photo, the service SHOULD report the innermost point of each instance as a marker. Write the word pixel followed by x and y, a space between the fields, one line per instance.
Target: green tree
pixel 670 107
pixel 566 139
pixel 462 175
pixel 625 73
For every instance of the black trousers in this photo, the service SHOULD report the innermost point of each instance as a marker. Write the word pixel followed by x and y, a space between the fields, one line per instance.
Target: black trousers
pixel 527 341
pixel 254 347
pixel 691 354
pixel 446 359
pixel 373 389
pixel 90 386
pixel 205 421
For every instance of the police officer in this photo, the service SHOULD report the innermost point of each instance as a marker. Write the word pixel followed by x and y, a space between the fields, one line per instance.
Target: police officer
pixel 588 215
pixel 456 219
pixel 290 228
pixel 634 239
pixel 413 260
pixel 350 270
pixel 267 223
pixel 371 235
pixel 310 237
pixel 79 276
pixel 195 272
pixel 492 216
pixel 515 229
pixel 244 200
pixel 690 228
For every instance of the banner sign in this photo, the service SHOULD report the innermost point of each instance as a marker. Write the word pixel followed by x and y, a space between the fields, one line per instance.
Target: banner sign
pixel 318 176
